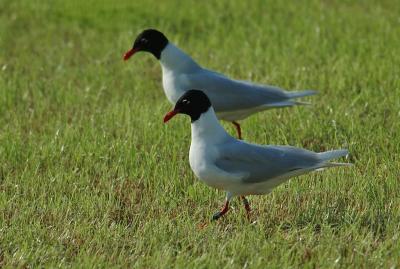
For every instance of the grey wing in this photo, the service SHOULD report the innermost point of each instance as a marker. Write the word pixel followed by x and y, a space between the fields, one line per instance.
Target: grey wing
pixel 262 163
pixel 227 94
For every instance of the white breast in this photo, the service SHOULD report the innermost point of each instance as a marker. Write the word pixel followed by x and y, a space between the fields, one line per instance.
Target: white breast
pixel 172 85
pixel 201 160
pixel 207 134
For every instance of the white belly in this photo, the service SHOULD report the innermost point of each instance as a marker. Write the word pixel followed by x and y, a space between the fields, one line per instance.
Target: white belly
pixel 236 115
pixel 206 171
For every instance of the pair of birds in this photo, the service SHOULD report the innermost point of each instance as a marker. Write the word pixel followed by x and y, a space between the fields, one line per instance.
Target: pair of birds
pixel 217 158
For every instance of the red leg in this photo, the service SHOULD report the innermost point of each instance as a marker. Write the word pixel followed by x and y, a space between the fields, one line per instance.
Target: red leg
pixel 246 206
pixel 239 131
pixel 222 212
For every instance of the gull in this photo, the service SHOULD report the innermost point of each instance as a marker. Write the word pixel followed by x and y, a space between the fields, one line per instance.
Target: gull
pixel 237 167
pixel 233 100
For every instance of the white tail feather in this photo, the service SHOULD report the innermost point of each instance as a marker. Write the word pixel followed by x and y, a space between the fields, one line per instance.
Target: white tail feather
pixel 338 164
pixel 301 103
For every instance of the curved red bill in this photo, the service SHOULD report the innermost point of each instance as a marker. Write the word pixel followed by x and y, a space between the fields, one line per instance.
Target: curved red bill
pixel 170 115
pixel 129 53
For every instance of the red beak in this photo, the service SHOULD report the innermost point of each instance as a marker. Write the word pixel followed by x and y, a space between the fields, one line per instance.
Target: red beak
pixel 170 115
pixel 129 53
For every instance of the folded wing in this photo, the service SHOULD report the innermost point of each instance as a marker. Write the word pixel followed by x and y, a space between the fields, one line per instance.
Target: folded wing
pixel 227 94
pixel 262 163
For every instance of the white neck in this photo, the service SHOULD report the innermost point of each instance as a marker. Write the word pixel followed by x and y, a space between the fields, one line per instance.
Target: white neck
pixel 174 59
pixel 207 129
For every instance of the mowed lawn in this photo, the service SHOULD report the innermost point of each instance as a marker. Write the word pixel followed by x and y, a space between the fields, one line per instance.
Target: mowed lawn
pixel 91 177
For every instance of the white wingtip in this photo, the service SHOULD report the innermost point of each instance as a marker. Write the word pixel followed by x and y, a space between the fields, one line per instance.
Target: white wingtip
pixel 333 154
pixel 301 93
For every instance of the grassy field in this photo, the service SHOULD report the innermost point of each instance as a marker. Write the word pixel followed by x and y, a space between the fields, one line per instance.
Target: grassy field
pixel 91 177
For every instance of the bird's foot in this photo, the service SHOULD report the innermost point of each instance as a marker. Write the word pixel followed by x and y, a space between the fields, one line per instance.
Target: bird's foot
pixel 217 215
pixel 238 129
pixel 247 207
pixel 223 211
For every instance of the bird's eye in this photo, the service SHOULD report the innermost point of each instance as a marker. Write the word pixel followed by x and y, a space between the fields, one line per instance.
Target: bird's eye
pixel 144 40
pixel 186 101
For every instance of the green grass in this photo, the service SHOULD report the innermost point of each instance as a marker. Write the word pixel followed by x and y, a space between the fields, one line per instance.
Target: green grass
pixel 91 177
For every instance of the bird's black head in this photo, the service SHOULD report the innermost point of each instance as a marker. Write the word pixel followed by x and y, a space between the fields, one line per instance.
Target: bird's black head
pixel 192 103
pixel 149 40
